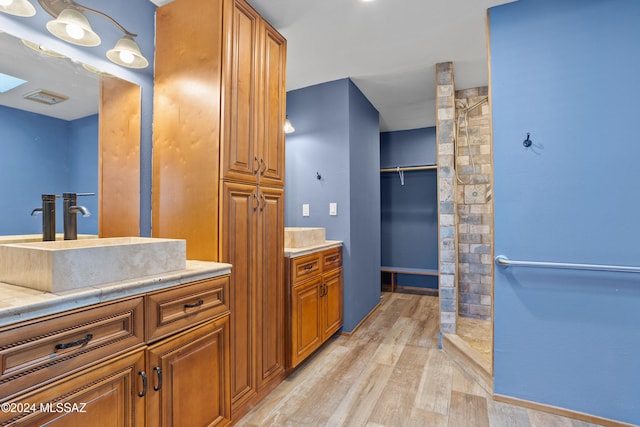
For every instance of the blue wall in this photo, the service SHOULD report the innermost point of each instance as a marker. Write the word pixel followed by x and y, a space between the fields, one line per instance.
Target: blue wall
pixel 41 154
pixel 564 71
pixel 137 16
pixel 415 147
pixel 409 212
pixel 337 136
pixel 83 174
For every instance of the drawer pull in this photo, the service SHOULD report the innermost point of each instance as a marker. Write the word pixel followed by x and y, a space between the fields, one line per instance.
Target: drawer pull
pixel 83 341
pixel 308 267
pixel 158 372
pixel 333 258
pixel 143 374
pixel 195 304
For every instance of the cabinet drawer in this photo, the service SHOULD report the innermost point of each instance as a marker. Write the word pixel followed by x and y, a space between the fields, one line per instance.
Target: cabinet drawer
pixel 305 266
pixel 331 259
pixel 42 350
pixel 176 309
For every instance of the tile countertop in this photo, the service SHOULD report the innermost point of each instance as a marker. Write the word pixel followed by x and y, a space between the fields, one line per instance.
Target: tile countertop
pixel 296 252
pixel 18 303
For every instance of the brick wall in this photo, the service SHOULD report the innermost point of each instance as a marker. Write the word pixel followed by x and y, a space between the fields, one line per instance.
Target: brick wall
pixel 474 203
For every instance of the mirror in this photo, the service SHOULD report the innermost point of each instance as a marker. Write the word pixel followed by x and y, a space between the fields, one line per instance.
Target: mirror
pixel 47 148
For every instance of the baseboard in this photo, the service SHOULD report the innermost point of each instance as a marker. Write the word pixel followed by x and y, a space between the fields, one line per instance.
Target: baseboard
pixel 560 411
pixel 411 290
pixel 353 331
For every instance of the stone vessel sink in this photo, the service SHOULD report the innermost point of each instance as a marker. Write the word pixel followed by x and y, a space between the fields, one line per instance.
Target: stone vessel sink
pixel 300 237
pixel 69 264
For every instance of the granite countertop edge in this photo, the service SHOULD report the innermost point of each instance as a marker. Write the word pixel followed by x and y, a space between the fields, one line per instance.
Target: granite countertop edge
pixel 19 304
pixel 306 250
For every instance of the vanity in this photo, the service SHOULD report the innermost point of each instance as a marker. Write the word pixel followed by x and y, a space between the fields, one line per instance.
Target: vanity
pixel 151 350
pixel 314 290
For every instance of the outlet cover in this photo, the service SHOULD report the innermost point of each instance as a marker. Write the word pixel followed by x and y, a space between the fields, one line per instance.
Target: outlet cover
pixel 305 209
pixel 333 209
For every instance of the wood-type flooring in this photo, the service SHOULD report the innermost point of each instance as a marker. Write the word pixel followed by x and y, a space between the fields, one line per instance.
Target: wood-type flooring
pixel 390 372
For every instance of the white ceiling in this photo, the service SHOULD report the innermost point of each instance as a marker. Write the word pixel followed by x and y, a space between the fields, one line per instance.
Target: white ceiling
pixel 389 49
pixel 60 75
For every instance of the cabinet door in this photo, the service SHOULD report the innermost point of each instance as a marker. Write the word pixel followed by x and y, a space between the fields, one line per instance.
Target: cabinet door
pixel 240 158
pixel 100 396
pixel 188 378
pixel 332 303
pixel 273 106
pixel 270 295
pixel 238 230
pixel 306 319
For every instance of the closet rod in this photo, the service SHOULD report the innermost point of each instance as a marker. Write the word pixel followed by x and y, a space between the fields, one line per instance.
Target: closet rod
pixel 410 168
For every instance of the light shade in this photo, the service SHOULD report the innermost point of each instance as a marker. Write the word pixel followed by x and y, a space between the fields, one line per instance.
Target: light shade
pixel 288 127
pixel 127 53
pixel 72 26
pixel 17 7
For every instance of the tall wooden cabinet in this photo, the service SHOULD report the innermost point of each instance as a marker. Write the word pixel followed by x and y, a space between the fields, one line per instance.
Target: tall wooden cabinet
pixel 252 205
pixel 219 168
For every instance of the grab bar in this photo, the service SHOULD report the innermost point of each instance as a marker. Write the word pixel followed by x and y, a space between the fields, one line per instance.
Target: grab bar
pixel 505 262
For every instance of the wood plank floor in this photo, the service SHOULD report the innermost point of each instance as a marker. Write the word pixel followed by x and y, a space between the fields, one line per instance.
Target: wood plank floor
pixel 390 372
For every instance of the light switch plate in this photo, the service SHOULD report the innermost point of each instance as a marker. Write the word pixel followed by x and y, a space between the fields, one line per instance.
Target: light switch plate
pixel 333 209
pixel 305 209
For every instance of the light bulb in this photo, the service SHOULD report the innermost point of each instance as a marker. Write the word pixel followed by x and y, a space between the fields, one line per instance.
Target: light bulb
pixel 74 31
pixel 126 57
pixel 5 2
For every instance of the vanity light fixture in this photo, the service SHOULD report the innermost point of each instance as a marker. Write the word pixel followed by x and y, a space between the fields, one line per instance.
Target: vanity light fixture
pixel 17 7
pixel 71 25
pixel 288 127
pixel 127 53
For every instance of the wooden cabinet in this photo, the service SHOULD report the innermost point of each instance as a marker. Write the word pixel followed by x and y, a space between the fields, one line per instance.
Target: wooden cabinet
pixel 253 115
pixel 188 382
pixel 252 208
pixel 253 241
pixel 219 111
pixel 186 123
pixel 94 367
pixel 188 369
pixel 102 395
pixel 39 351
pixel 315 309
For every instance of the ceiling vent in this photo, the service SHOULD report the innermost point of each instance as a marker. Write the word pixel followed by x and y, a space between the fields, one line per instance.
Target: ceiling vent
pixel 45 97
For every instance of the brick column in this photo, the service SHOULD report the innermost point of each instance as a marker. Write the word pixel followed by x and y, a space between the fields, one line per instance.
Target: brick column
pixel 447 252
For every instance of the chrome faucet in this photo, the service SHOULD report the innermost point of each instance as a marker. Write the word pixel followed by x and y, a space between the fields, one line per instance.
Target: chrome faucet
pixel 71 208
pixel 48 211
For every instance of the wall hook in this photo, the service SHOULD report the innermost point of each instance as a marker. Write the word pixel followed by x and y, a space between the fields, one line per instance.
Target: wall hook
pixel 318 176
pixel 527 142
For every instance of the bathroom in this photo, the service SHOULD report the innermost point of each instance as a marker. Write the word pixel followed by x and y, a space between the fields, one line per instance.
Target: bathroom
pixel 523 178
